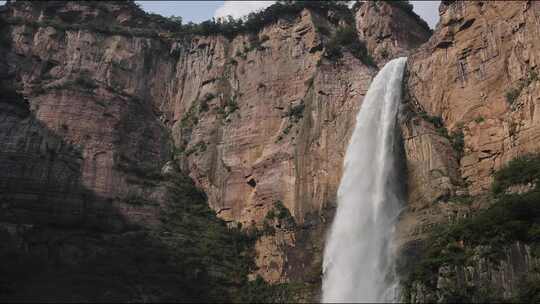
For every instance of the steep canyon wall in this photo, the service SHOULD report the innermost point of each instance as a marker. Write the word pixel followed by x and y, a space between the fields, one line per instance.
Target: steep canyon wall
pixel 260 121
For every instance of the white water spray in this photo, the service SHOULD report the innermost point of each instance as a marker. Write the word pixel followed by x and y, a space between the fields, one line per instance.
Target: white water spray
pixel 358 259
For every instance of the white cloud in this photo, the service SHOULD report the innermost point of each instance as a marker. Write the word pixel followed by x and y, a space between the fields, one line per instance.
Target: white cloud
pixel 238 9
pixel 428 10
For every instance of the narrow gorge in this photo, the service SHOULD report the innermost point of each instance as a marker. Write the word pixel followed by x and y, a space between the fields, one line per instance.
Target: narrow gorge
pixel 291 156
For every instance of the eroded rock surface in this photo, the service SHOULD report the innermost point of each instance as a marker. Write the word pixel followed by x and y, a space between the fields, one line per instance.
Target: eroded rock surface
pixel 258 120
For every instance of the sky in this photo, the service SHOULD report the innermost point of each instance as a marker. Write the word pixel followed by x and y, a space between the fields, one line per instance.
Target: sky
pixel 198 11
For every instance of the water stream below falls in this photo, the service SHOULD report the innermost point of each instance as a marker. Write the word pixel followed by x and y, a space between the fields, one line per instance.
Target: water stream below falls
pixel 359 257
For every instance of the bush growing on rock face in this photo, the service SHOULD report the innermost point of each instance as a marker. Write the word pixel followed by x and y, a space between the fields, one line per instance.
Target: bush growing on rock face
pixel 258 291
pixel 521 170
pixel 254 22
pixel 190 255
pixel 511 217
pixel 513 93
pixel 296 112
pixel 280 213
pixel 346 37
pixel 457 139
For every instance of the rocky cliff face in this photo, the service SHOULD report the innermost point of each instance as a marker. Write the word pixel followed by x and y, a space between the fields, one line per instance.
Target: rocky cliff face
pixel 458 134
pixel 390 29
pixel 472 91
pixel 487 56
pixel 95 116
pixel 260 121
pixel 93 208
pixel 284 139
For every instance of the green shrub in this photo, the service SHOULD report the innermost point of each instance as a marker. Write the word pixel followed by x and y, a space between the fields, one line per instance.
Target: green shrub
pixel 268 229
pixel 457 139
pixel 281 214
pixel 231 105
pixel 190 118
pixel 511 95
pixel 217 259
pixel 462 199
pixel 437 121
pixel 479 119
pixel 346 37
pixel 136 199
pixel 86 82
pixel 204 102
pixel 511 218
pixel 296 112
pixel 385 54
pixel 198 147
pixel 254 22
pixel 259 291
pixel 521 170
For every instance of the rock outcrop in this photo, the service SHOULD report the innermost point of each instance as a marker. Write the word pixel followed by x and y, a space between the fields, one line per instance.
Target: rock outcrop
pixel 470 104
pixel 390 29
pixel 458 134
pixel 101 99
pixel 94 116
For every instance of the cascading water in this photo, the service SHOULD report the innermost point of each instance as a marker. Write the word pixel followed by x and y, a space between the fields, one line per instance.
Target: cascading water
pixel 358 259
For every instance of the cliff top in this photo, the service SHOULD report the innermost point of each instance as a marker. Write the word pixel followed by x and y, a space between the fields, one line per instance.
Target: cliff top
pixel 127 18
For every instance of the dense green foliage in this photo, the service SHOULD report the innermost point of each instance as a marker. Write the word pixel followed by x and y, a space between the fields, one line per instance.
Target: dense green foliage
pixel 254 22
pixel 95 26
pixel 190 256
pixel 281 214
pixel 521 170
pixel 512 217
pixel 258 291
pixel 346 38
pixel 437 121
pixel 216 259
pixel 296 112
pixel 457 140
pixel 228 27
pixel 513 93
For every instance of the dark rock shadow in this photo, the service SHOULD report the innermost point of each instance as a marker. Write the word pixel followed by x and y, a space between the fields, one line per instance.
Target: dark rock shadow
pixel 61 242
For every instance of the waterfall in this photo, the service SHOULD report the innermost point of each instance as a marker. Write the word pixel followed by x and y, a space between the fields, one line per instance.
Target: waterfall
pixel 358 258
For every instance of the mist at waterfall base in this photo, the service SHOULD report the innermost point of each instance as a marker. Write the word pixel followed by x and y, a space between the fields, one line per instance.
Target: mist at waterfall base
pixel 358 258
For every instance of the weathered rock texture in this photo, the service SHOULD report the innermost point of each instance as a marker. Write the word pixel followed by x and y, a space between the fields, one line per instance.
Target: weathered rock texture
pixel 286 140
pixel 479 52
pixel 259 121
pixel 390 29
pixel 479 279
pixel 476 76
pixel 92 116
